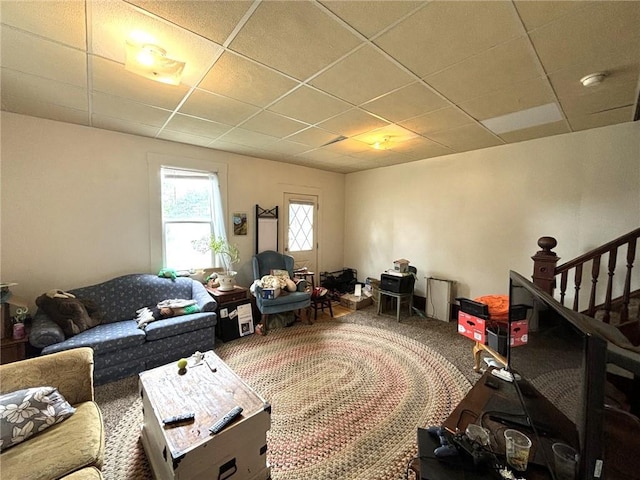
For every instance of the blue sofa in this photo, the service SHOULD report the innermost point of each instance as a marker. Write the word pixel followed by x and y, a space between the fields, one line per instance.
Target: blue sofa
pixel 121 349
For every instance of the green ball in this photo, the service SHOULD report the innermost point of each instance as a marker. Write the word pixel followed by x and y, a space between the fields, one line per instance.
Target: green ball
pixel 182 363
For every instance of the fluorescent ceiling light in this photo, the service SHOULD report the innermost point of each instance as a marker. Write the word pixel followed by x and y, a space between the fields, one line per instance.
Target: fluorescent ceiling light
pixel 151 61
pixel 524 119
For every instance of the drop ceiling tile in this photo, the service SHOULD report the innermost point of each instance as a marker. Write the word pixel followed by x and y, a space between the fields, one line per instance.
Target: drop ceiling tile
pixel 540 131
pixel 419 148
pixel 196 126
pixel 182 137
pixel 321 155
pixel 115 107
pixel 353 122
pixel 249 151
pixel 514 98
pixel 442 119
pixel 621 67
pixel 111 77
pixel 591 33
pixel 309 105
pixel 17 84
pixel 369 18
pixel 217 108
pixel 212 20
pixel 45 59
pixel 312 136
pixel 285 147
pixel 245 137
pixel 612 117
pixel 34 108
pixel 347 147
pixel 467 137
pixel 362 76
pixel 273 124
pixel 444 33
pixel 536 14
pixel 118 125
pixel 62 21
pixel 407 102
pixel 113 23
pixel 295 38
pixel 503 66
pixel 599 99
pixel 241 79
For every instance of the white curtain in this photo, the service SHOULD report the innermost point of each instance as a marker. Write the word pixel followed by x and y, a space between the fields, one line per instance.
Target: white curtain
pixel 219 230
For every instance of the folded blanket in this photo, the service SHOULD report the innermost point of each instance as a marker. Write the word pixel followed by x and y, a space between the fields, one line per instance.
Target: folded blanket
pixel 165 309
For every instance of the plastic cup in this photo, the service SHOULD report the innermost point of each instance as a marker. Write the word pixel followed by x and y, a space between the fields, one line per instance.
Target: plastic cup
pixel 517 449
pixel 565 460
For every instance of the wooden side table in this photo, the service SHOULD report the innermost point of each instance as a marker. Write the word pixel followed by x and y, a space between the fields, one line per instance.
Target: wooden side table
pixel 12 350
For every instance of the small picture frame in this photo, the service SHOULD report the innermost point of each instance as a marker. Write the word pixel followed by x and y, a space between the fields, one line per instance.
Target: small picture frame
pixel 239 223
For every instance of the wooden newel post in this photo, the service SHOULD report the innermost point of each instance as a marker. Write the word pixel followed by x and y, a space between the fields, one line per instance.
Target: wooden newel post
pixel 544 264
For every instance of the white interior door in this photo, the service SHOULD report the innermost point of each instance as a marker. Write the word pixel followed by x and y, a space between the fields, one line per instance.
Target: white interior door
pixel 300 236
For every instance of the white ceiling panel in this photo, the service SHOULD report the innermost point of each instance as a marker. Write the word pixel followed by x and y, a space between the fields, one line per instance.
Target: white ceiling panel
pixel 319 82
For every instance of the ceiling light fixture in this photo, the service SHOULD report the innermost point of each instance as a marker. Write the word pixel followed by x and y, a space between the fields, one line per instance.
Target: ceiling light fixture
pixel 593 79
pixel 382 144
pixel 151 61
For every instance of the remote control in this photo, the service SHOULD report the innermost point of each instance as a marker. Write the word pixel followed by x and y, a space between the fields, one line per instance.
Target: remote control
pixel 185 417
pixel 226 420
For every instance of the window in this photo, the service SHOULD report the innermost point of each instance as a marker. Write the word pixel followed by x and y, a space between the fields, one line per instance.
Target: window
pixel 191 211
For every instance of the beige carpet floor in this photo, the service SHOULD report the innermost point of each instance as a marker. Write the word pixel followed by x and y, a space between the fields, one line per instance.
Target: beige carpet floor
pixel 119 400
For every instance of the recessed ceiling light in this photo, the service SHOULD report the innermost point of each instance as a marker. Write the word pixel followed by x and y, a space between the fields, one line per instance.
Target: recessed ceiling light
pixel 530 117
pixel 593 79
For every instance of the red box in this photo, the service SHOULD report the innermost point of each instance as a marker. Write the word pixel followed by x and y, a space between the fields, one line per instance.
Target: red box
pixel 472 327
pixel 519 333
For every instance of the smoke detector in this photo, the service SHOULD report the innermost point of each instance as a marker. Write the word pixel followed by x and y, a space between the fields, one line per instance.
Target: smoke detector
pixel 593 79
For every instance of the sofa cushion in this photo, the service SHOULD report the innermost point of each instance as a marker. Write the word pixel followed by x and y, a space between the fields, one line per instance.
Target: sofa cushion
pixel 76 443
pixel 29 411
pixel 170 327
pixel 121 297
pixel 103 338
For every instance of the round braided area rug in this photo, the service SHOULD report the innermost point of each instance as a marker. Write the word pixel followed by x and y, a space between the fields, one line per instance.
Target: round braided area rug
pixel 346 399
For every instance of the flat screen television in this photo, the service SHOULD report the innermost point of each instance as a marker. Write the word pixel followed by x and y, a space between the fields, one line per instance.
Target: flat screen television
pixel 565 361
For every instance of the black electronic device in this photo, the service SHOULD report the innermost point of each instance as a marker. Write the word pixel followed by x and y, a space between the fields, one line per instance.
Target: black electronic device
pixel 178 419
pixel 564 360
pixel 397 283
pixel 445 449
pixel 480 456
pixel 226 420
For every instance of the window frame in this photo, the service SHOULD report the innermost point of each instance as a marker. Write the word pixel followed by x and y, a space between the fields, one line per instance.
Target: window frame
pixel 155 163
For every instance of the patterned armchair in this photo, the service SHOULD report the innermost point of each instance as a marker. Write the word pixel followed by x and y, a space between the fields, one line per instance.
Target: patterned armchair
pixel 263 264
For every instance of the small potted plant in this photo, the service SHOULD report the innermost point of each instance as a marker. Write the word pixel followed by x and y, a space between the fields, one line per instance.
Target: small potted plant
pixel 229 254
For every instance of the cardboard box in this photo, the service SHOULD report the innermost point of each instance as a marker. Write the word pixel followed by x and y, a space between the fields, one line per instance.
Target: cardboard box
pixel 472 327
pixel 354 302
pixel 270 293
pixel 519 333
pixel 401 265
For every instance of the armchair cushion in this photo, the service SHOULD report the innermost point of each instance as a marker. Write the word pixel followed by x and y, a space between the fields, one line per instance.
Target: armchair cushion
pixel 265 263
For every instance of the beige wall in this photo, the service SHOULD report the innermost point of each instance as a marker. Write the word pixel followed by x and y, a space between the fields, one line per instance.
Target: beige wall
pixel 75 203
pixel 472 217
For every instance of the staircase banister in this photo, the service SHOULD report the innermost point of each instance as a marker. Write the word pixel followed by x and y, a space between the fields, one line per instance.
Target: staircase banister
pixel 624 239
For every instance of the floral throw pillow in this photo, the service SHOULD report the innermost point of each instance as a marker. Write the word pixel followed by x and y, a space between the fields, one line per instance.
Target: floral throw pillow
pixel 24 413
